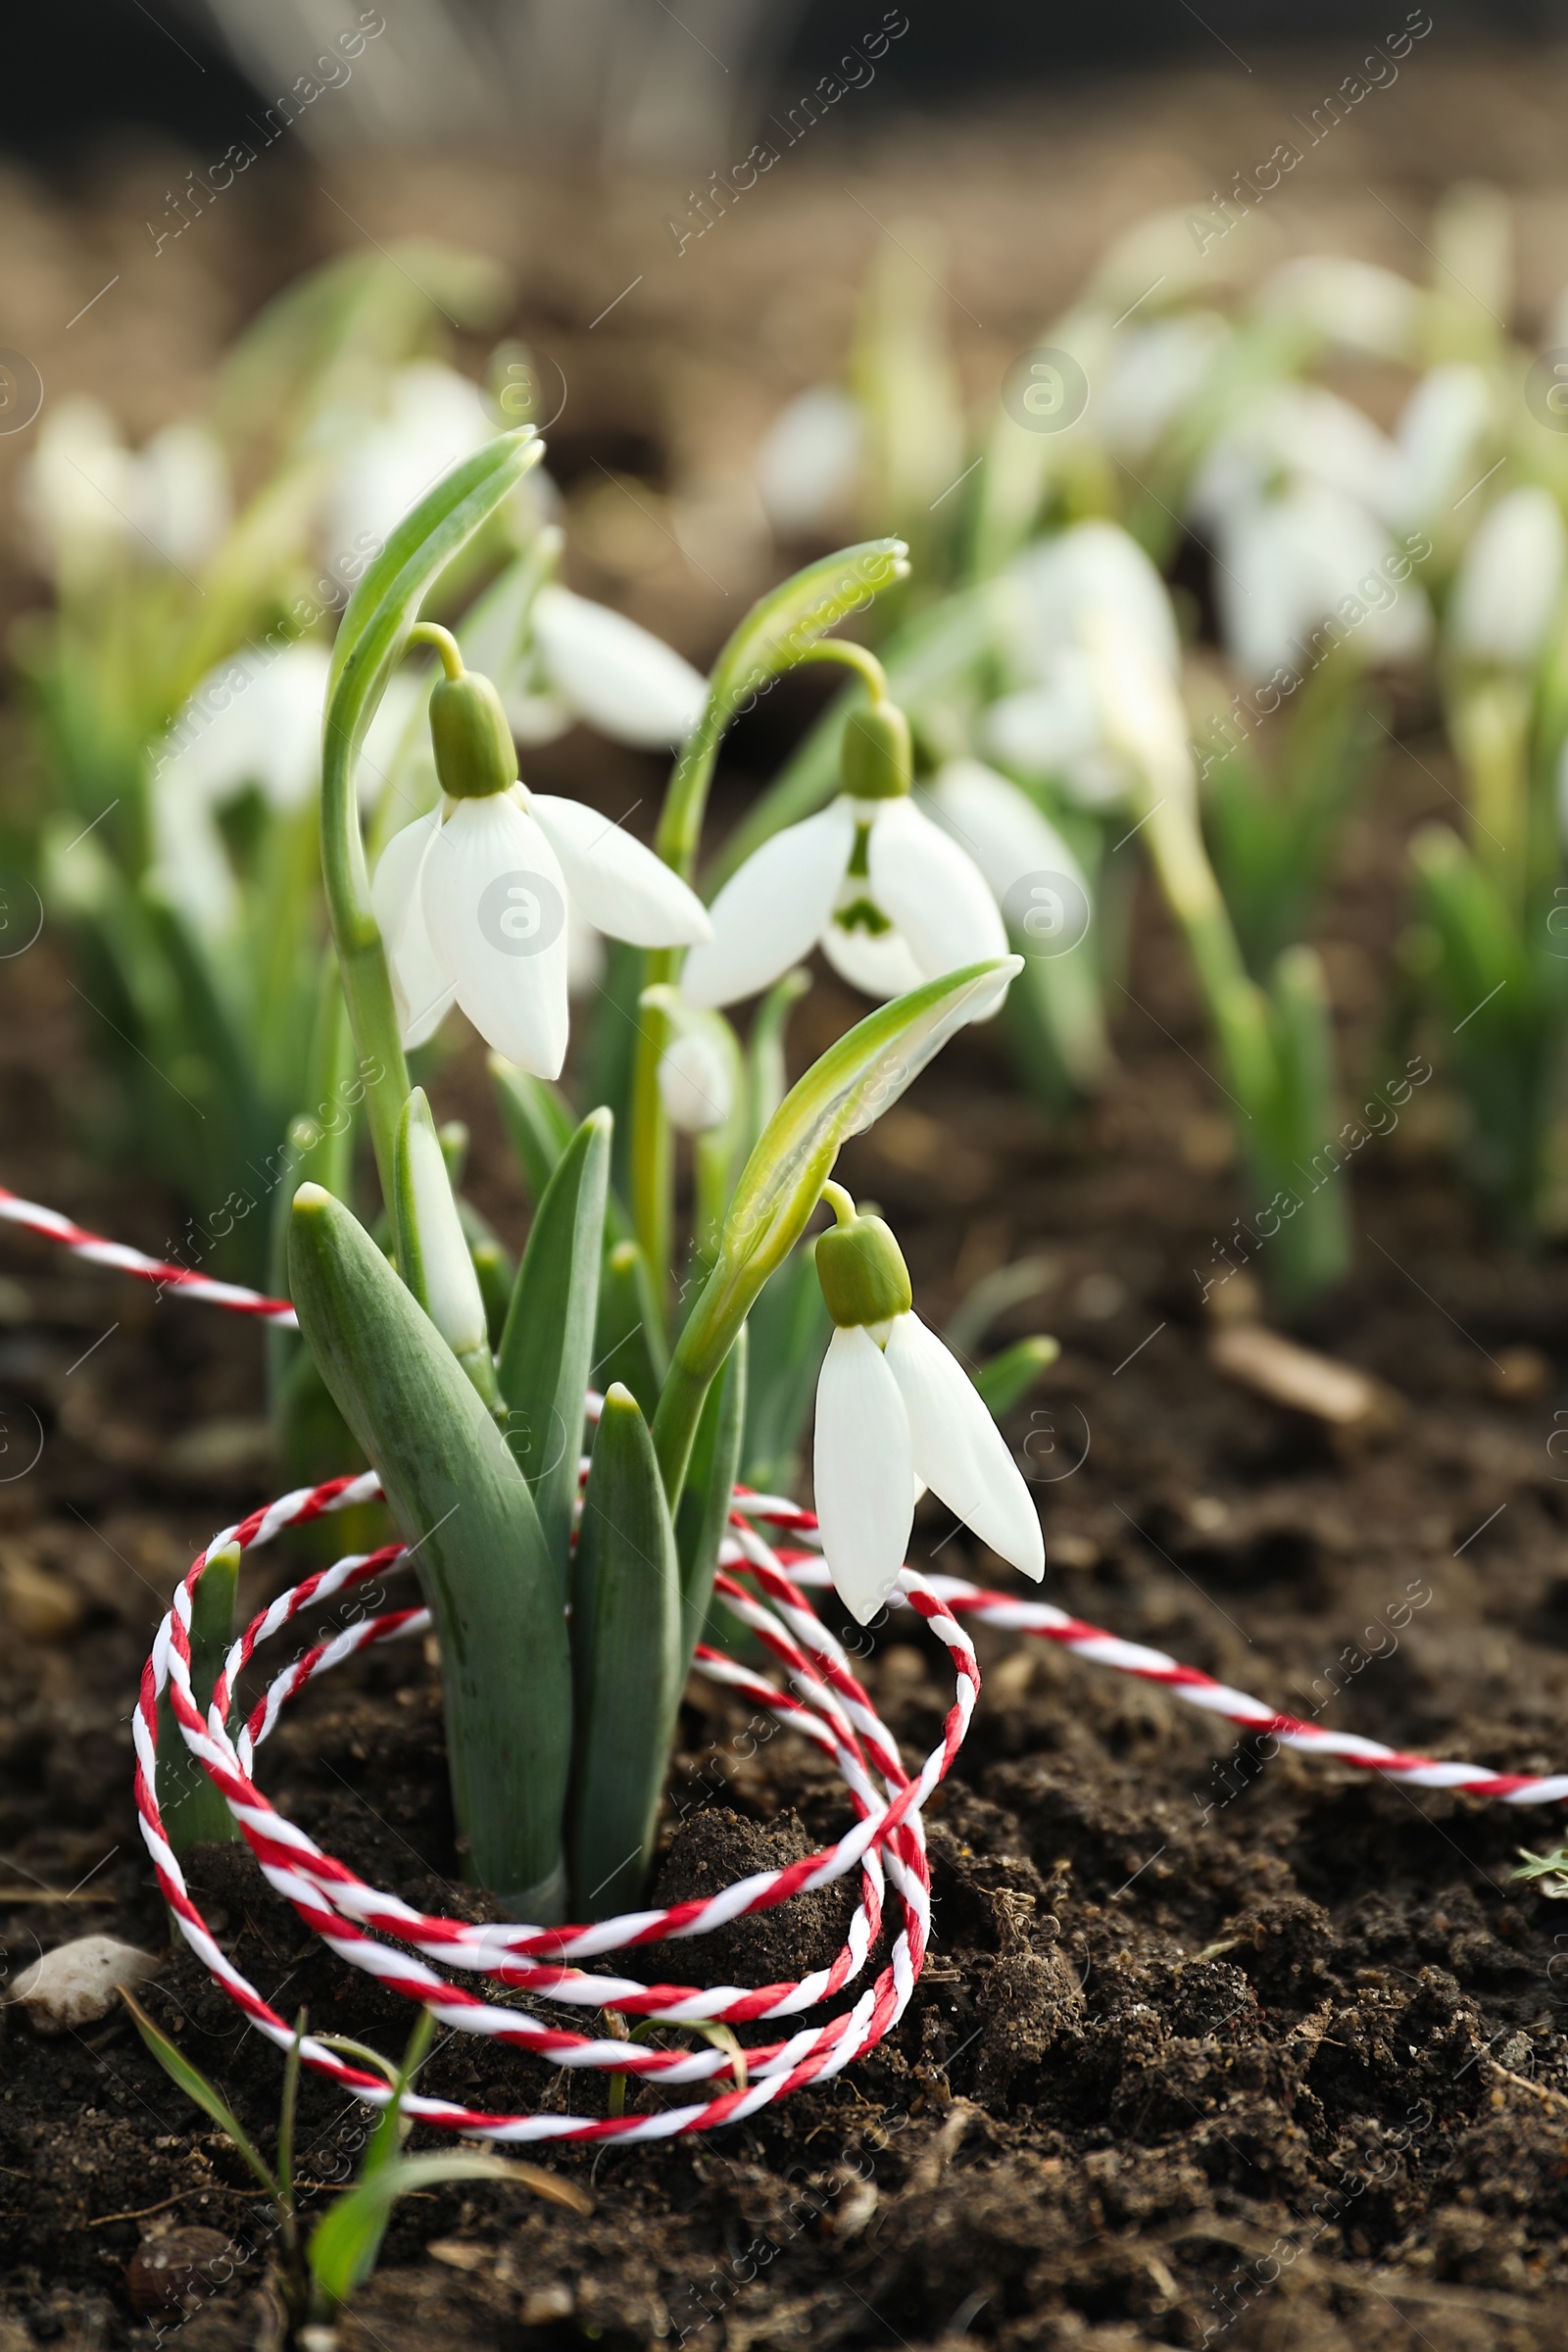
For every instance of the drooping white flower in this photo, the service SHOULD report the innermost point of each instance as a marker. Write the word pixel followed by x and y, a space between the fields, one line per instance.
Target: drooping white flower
pixel 433 418
pixel 255 720
pixel 557 658
pixel 696 1082
pixel 1295 433
pixel 1510 582
pixel 91 503
pixel 615 675
pixel 1353 303
pixel 1440 432
pixel 1063 601
pixel 890 900
pixel 254 723
pixel 1302 572
pixel 474 899
pixel 896 1412
pixel 1152 373
pixel 808 462
pixel 185 501
pixel 1010 840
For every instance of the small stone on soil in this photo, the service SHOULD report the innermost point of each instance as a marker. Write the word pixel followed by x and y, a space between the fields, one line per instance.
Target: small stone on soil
pixel 76 1983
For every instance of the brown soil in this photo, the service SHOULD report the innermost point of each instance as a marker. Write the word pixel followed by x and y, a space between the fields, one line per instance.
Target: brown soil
pixel 1205 2043
pixel 1208 2047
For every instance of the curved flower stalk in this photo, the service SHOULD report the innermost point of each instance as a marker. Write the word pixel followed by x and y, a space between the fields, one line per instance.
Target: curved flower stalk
pixel 474 899
pixel 890 899
pixel 895 1413
pixel 1277 1046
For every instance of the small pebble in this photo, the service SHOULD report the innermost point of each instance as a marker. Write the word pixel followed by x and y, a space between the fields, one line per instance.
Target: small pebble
pixel 76 1983
pixel 178 2271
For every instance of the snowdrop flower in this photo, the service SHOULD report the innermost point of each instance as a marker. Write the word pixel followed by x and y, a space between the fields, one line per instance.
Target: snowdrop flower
pixel 1352 303
pixel 474 899
pixel 184 502
pixel 897 1413
pixel 433 418
pixel 618 678
pixel 1510 582
pixel 91 502
pixel 1152 374
pixel 809 460
pixel 256 720
pixel 889 898
pixel 1293 433
pixel 253 722
pixel 1440 436
pixel 1009 838
pixel 1062 600
pixel 1310 560
pixel 696 1080
pixel 578 661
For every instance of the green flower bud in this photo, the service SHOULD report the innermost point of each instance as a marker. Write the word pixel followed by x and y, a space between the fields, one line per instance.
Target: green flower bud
pixel 876 762
pixel 474 753
pixel 861 1266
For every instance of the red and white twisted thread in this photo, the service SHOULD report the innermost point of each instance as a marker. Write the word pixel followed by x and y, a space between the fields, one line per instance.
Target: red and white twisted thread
pixel 825 1702
pixel 100 1253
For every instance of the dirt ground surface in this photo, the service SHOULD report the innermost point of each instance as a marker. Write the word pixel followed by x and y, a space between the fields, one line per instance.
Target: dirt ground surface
pixel 1210 2047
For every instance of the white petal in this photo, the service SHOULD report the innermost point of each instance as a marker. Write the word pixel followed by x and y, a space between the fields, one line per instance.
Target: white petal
pixel 421 989
pixel 863 1471
pixel 1058 585
pixel 959 1448
pixel 183 494
pixel 878 962
pixel 620 885
pixel 809 460
pixel 696 1082
pixel 434 416
pixel 771 913
pixel 934 891
pixel 1510 580
pixel 1355 304
pixel 495 903
pixel 621 678
pixel 999 826
pixel 254 719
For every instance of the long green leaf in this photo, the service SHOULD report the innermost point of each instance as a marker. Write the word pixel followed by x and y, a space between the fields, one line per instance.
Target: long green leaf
pixel 781 1183
pixel 467 1512
pixel 628 1661
pixel 194 2084
pixel 771 638
pixel 548 1345
pixel 630 1345
pixel 346 2240
pixel 705 1503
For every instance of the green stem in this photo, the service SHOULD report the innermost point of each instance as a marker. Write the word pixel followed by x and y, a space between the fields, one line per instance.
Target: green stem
pixel 853 656
pixel 361 959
